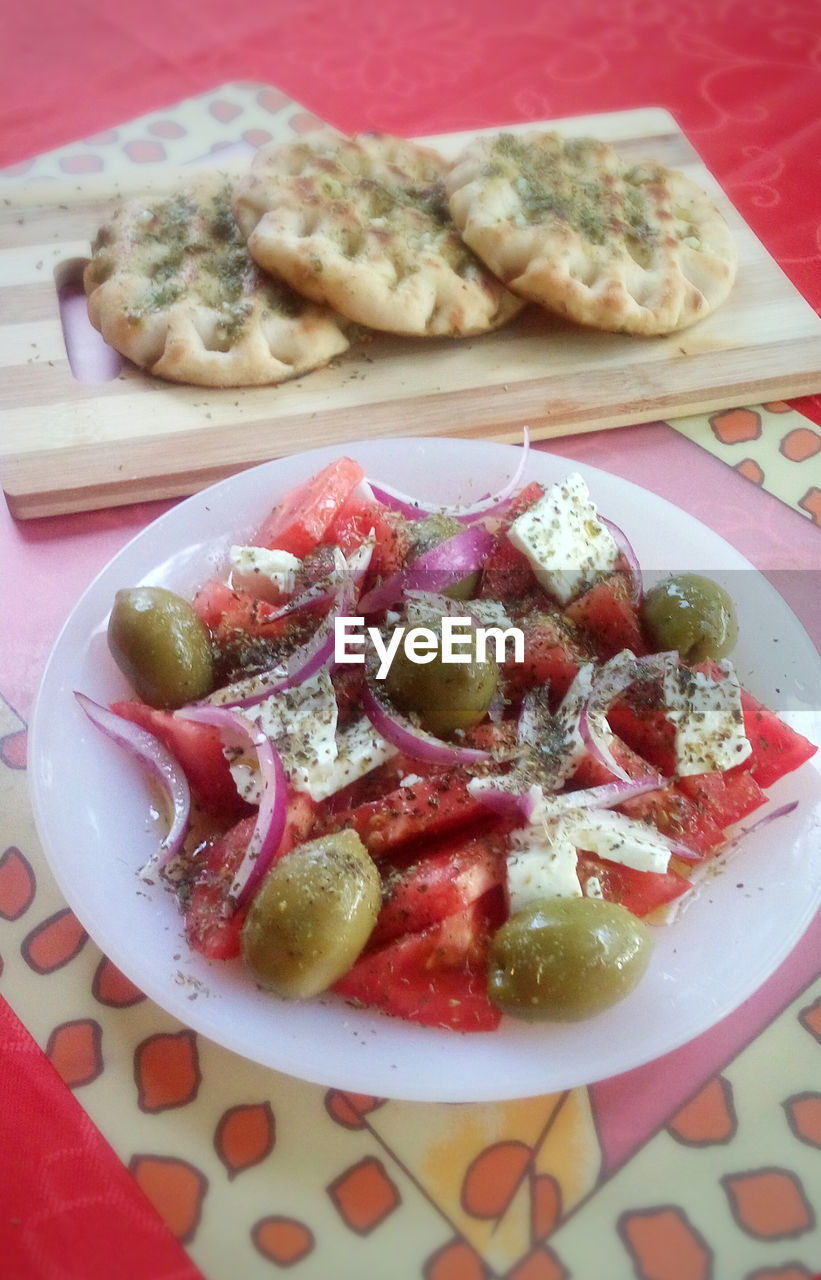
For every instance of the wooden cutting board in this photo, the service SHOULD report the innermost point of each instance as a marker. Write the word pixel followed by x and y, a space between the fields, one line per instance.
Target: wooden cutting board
pixel 68 445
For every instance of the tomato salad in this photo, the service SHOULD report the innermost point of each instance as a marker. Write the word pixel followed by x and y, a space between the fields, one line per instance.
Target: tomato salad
pixel 447 764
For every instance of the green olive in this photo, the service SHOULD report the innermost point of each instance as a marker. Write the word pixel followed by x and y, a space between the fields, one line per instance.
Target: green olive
pixel 312 915
pixel 691 614
pixel 161 645
pixel 445 696
pixel 427 533
pixel 564 959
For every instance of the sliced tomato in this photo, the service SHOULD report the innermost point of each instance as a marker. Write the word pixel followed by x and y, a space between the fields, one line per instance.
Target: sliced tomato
pixel 213 922
pixel 376 785
pixel 300 820
pixel 726 797
pixel 198 749
pixel 444 880
pixel 590 772
pixel 639 891
pixel 425 807
pixel 348 680
pixel 778 749
pixel 506 573
pixel 356 519
pixel 553 653
pixel 607 616
pixel 675 815
pixel 229 612
pixel 437 977
pixel 301 519
pixel 213 600
pixel 520 501
pixel 646 729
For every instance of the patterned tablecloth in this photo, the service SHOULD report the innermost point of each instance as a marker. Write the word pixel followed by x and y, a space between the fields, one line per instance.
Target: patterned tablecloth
pixel 167 1156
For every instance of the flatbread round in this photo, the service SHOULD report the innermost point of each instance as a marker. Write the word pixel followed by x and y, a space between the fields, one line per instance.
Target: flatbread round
pixel 568 223
pixel 171 285
pixel 362 224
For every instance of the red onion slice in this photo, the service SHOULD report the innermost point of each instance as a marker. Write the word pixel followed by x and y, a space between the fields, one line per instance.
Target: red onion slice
pixel 612 679
pixel 505 801
pixel 400 502
pixel 313 598
pixel 631 559
pixel 596 736
pixel 492 504
pixel 410 739
pixel 162 767
pixel 303 663
pixel 773 815
pixel 438 568
pixel 604 796
pixel 270 822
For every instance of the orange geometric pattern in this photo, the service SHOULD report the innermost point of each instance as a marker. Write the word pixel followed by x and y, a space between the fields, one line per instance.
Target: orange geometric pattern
pixel 350 1109
pixel 455 1261
pixel 541 1264
pixel 800 444
pixel 283 1241
pixel 17 884
pixel 74 1049
pixel 736 426
pixel 364 1195
pixel 751 471
pixel 773 446
pixel 14 749
pixel 545 1205
pixel 810 1018
pixel 54 942
pixel 167 1071
pixel 493 1178
pixel 664 1245
pixel 811 503
pixel 175 1188
pixel 244 1136
pixel 707 1118
pixel 112 988
pixel 769 1204
pixel 804 1117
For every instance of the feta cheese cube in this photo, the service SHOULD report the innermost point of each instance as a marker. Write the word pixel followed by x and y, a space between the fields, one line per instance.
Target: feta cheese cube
pixel 317 758
pixel 615 837
pixel 266 574
pixel 359 749
pixel 301 723
pixel 708 718
pixel 541 864
pixel 564 539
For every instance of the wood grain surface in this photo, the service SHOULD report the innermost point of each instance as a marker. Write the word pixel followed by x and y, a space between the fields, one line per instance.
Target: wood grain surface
pixel 68 445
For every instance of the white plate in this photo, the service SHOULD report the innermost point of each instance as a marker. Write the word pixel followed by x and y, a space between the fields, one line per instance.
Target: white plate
pixel 91 808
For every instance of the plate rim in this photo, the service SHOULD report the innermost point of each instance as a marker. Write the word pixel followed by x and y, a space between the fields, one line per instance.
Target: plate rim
pixel 307 462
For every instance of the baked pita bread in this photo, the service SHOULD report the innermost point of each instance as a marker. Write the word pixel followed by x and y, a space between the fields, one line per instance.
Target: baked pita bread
pixel 362 225
pixel 568 223
pixel 171 285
